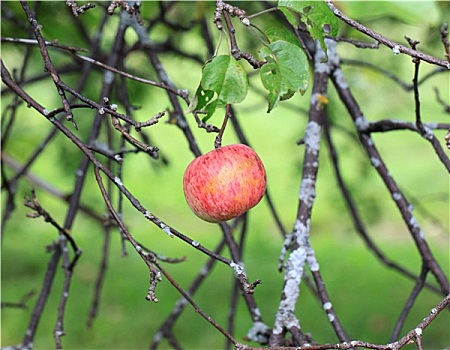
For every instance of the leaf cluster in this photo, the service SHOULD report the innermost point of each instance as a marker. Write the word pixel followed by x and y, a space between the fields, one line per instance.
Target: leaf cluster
pixel 285 69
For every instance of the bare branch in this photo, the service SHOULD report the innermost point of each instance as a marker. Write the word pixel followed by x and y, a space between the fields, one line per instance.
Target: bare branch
pixel 396 48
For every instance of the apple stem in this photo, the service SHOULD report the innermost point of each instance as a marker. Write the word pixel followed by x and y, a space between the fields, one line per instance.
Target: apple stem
pixel 218 140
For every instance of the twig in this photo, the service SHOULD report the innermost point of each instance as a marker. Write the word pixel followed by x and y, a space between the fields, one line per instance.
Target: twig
pixel 405 86
pixel 375 158
pixel 34 204
pixel 235 51
pixel 420 282
pixel 67 264
pixel 444 40
pixel 415 333
pixel 197 309
pixel 21 304
pixel 243 139
pixel 131 10
pixel 165 330
pixel 418 330
pixel 76 10
pixel 223 8
pixel 101 275
pixel 359 44
pixel 47 43
pixel 182 93
pixel 148 259
pixel 117 181
pixel 397 48
pixel 357 220
pixel 301 251
pixel 41 183
pixel 413 44
pixel 38 310
pixel 218 140
pixel 164 77
pixel 125 133
pixel 385 125
pixel 48 63
pixel 444 104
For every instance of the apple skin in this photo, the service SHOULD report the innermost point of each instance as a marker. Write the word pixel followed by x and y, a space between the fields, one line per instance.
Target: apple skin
pixel 224 183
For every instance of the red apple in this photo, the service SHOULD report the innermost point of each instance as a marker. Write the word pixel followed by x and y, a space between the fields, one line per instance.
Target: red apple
pixel 224 183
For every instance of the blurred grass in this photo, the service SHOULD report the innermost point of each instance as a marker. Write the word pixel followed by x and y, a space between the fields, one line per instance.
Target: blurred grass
pixel 367 296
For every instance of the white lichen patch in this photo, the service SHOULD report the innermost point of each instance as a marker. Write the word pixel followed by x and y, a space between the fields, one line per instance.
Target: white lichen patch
pixel 294 265
pixel 421 234
pixel 118 181
pixel 428 133
pixel 375 162
pixel 312 261
pixel 340 79
pixel 166 229
pixel 258 332
pixel 307 191
pixel 245 21
pixel 312 136
pixel 108 77
pixel 319 65
pixel 327 306
pixel 397 196
pixel 237 267
pixel 396 49
pixel 301 231
pixel 413 222
pixel 361 123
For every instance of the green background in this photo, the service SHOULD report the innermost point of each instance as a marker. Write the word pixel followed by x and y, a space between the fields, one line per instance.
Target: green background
pixel 367 296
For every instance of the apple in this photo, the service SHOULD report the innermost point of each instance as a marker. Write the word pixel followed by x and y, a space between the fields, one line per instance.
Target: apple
pixel 224 183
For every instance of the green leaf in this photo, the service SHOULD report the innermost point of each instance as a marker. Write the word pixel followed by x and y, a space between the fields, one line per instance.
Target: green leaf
pixel 271 78
pixel 286 71
pixel 224 81
pixel 316 15
pixel 280 33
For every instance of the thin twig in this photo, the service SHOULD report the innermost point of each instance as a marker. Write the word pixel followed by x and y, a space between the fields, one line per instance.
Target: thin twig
pixel 197 309
pixel 444 40
pixel 377 162
pixel 218 140
pixel 47 43
pixel 354 212
pixel 397 48
pixel 420 282
pixel 33 203
pixel 48 63
pixel 178 92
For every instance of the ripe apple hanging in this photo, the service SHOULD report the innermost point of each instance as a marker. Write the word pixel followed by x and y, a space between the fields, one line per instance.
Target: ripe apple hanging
pixel 224 183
